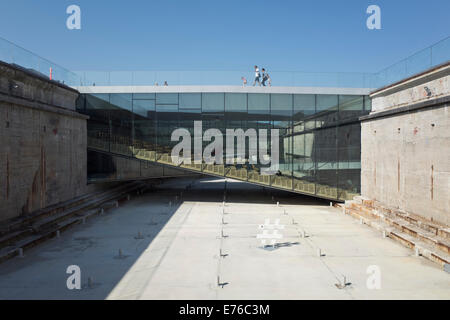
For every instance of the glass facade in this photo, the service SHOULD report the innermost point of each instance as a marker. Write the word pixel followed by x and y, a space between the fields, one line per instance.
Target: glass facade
pixel 319 134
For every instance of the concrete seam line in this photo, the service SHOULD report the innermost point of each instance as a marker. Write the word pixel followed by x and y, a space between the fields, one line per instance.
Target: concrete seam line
pixel 417 107
pixel 41 106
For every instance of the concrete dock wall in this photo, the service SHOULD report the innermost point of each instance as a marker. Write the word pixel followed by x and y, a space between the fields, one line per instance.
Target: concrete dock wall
pixel 43 143
pixel 406 146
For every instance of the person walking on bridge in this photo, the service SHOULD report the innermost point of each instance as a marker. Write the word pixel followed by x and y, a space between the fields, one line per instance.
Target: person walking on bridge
pixel 257 77
pixel 266 77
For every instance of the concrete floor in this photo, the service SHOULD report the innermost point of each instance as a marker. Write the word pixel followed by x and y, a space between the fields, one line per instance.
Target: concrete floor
pixel 178 256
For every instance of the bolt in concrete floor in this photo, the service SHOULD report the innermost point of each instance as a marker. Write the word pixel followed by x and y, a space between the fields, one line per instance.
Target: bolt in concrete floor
pixel 178 255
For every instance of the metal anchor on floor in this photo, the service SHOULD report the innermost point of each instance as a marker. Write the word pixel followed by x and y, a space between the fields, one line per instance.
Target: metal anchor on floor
pixel 342 284
pixel 139 236
pixel 221 284
pixel 90 282
pixel 221 254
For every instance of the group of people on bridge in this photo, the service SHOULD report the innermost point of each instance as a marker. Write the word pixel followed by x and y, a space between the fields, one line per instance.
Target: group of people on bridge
pixel 260 78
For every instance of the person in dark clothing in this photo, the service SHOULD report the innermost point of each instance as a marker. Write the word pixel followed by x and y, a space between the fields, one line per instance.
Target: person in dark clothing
pixel 265 77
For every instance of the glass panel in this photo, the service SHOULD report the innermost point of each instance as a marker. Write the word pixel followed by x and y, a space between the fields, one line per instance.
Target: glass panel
pixel 281 115
pixel 190 101
pixel 167 122
pixel 97 101
pixel 167 108
pixel 142 107
pixel 349 156
pixel 190 111
pixel 350 107
pixel 367 103
pixel 236 118
pixel 304 110
pixel 327 110
pixel 258 103
pixel 167 98
pixel 144 129
pixel 281 104
pixel 325 157
pixel 304 104
pixel 144 96
pixel 98 129
pixel 213 102
pixel 303 165
pixel 236 102
pixel 121 118
pixel 259 118
pixel 322 160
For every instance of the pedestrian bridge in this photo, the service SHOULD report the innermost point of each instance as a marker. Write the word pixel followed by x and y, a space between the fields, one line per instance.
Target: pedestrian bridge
pixel 318 130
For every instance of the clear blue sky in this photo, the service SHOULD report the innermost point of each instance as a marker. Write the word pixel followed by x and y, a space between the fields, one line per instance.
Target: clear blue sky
pixel 316 35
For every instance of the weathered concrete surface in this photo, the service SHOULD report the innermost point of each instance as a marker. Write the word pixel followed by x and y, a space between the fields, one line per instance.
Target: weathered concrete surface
pixel 405 160
pixel 18 82
pixel 43 143
pixel 431 84
pixel 178 256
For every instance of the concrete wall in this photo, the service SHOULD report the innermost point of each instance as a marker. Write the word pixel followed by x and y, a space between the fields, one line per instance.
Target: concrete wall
pixel 43 143
pixel 406 146
pixel 428 85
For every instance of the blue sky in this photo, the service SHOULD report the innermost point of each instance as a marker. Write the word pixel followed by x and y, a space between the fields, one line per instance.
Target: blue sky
pixel 320 35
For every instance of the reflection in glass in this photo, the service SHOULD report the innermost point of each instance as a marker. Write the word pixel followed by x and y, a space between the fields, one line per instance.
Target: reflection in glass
pixel 319 134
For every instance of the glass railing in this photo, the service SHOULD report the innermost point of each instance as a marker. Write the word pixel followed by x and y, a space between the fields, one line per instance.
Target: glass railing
pixel 420 61
pixel 429 57
pixel 222 78
pixel 15 55
pixel 118 145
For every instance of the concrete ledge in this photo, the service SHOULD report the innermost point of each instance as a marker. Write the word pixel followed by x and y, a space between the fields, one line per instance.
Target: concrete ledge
pixel 41 106
pixel 433 103
pixel 36 74
pixel 433 73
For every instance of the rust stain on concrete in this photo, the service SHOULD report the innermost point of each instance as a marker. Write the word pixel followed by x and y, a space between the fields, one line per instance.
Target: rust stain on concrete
pixel 28 207
pixel 36 197
pixel 43 175
pixel 432 182
pixel 7 176
pixel 375 173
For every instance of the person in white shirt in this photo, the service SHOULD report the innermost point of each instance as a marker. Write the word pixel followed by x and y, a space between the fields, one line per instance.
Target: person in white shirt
pixel 257 76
